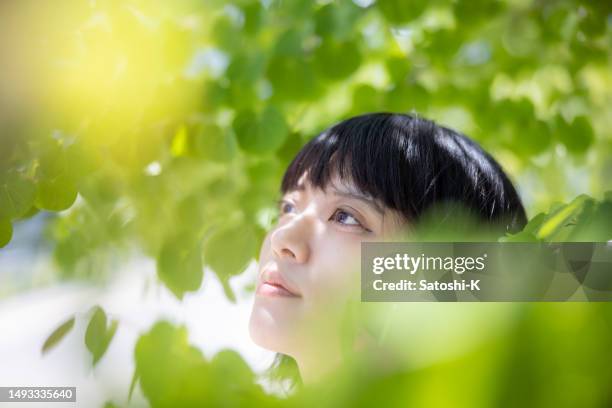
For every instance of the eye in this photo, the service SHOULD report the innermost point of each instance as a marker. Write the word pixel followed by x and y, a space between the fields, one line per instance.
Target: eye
pixel 345 218
pixel 285 207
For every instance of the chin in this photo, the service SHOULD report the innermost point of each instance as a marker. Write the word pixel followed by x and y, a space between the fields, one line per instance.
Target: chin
pixel 269 330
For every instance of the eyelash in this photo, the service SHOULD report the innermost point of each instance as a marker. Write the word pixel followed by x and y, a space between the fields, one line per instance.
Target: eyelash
pixel 283 204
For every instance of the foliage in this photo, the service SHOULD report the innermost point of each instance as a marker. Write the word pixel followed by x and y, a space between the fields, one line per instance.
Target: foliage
pixel 167 126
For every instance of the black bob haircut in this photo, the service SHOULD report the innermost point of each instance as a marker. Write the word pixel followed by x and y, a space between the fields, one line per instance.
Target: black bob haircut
pixel 409 164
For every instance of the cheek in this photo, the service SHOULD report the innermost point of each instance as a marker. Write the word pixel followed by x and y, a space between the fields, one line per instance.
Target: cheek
pixel 273 323
pixel 335 273
pixel 264 252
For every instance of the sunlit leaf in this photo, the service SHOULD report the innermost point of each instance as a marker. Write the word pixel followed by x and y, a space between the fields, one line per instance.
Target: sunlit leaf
pixel 560 217
pixel 56 195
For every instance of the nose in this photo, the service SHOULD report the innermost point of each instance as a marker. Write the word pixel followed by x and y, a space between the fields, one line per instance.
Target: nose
pixel 291 240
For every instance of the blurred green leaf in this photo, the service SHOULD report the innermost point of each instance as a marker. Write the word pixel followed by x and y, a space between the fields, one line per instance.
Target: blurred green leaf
pixel 577 136
pixel 528 234
pixel 227 289
pixel 6 232
pixel 229 364
pixel 560 217
pixel 215 144
pixel 254 16
pixel 229 250
pixel 56 195
pixel 135 378
pixel 16 195
pixel 171 371
pixel 57 335
pixel 366 98
pixel 263 134
pixel 337 60
pixel 174 373
pixel 179 265
pixel 399 12
pixel 98 334
pixel 283 72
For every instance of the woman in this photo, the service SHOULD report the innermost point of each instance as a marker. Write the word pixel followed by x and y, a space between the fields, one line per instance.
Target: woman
pixel 371 177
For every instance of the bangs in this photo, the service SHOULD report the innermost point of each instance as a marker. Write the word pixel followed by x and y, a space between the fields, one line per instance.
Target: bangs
pixel 408 164
pixel 360 151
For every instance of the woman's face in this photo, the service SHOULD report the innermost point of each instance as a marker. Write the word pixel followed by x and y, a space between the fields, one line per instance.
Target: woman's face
pixel 309 265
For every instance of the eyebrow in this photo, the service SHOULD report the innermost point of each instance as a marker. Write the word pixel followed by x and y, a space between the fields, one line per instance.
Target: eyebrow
pixel 349 194
pixel 366 200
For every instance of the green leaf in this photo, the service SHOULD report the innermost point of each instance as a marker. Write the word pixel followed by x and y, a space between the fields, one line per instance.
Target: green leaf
pixel 577 136
pixel 227 289
pixel 559 218
pixel 261 135
pixel 246 68
pixel 179 265
pixel 337 60
pixel 229 364
pixel 528 233
pixel 282 72
pixel 289 43
pixel 6 232
pixel 30 213
pixel 57 335
pixel 366 98
pixel 57 194
pixel 215 144
pixel 594 223
pixel 98 334
pixel 325 20
pixel 133 383
pixel 398 68
pixel 170 369
pixel 400 11
pixel 253 17
pixel 226 34
pixel 273 129
pixel 16 195
pixel 228 251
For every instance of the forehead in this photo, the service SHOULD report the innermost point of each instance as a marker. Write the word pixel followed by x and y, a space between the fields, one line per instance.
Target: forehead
pixel 335 185
pixel 340 187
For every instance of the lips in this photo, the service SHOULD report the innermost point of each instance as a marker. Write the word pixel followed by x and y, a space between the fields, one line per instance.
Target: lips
pixel 273 283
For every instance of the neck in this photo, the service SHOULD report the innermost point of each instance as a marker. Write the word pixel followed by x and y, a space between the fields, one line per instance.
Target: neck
pixel 316 366
pixel 321 362
pixel 318 357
